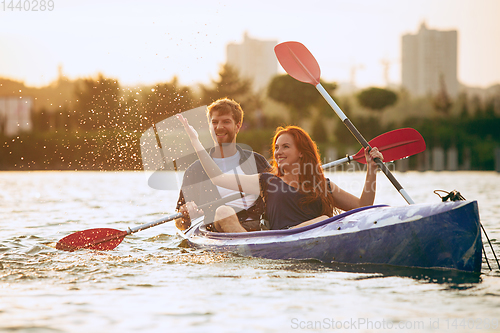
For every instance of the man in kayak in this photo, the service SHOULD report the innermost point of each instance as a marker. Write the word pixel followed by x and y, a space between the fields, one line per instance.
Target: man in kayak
pixel 226 117
pixel 296 192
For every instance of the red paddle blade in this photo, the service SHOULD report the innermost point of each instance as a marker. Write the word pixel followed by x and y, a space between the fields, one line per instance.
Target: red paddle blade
pixel 95 239
pixel 395 145
pixel 298 62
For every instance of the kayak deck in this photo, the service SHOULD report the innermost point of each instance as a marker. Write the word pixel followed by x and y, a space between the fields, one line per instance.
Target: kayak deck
pixel 438 235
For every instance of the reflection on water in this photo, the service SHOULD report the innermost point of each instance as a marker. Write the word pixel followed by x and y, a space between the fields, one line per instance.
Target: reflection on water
pixel 374 271
pixel 152 282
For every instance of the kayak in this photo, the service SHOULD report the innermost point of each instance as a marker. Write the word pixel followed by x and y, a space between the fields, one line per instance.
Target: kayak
pixel 433 235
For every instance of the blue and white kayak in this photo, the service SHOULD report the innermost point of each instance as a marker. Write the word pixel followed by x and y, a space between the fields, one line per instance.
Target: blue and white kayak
pixel 438 235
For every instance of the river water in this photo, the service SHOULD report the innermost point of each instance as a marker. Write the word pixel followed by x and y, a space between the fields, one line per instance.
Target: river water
pixel 152 283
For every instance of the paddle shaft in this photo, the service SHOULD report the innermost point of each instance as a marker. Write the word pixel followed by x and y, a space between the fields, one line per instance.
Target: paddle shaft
pixel 363 142
pixel 132 230
pixel 340 161
pixel 171 217
pixel 154 223
pixel 88 242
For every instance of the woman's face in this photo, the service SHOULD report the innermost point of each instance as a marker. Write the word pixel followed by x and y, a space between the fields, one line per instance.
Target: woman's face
pixel 286 153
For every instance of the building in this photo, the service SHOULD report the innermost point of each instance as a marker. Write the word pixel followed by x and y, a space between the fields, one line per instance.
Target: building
pixel 429 62
pixel 254 59
pixel 15 115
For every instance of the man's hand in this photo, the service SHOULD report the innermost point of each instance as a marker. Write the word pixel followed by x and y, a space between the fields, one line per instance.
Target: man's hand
pixel 191 132
pixel 189 211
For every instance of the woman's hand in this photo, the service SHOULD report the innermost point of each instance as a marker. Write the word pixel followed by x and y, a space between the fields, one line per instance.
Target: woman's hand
pixel 370 155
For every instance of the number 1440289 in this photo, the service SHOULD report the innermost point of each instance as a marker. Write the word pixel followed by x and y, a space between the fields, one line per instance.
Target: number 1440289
pixel 472 323
pixel 27 5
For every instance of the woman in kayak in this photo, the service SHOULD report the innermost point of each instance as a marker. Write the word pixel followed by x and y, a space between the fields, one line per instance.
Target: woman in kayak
pixel 296 192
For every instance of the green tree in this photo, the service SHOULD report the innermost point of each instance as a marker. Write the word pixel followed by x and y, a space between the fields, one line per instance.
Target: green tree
pixel 462 102
pixel 442 101
pixel 229 84
pixel 164 100
pixel 369 127
pixel 97 102
pixel 318 132
pixel 376 99
pixel 299 97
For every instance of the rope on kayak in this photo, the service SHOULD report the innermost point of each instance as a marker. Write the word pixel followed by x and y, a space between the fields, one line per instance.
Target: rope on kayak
pixel 456 196
pixel 452 195
pixel 494 254
pixel 484 252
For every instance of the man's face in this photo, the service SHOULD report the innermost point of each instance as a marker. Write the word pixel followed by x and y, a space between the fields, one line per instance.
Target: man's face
pixel 225 128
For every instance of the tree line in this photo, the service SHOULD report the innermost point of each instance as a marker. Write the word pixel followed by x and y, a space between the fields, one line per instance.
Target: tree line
pixel 98 125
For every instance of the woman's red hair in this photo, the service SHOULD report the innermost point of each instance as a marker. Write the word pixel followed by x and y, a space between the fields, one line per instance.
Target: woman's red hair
pixel 312 181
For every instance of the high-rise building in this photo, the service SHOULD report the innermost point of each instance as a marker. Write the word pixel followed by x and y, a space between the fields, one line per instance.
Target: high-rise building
pixel 429 62
pixel 254 59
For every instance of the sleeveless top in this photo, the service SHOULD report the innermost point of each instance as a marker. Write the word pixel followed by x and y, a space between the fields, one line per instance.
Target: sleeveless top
pixel 282 203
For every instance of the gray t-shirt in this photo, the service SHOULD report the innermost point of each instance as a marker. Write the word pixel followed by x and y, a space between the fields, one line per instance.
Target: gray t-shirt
pixel 228 165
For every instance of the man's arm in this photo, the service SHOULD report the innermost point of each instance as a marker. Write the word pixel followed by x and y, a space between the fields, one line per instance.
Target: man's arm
pixel 197 189
pixel 183 222
pixel 189 211
pixel 262 164
pixel 181 201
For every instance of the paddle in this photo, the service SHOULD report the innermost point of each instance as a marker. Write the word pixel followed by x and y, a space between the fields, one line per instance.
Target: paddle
pixel 300 64
pixel 107 239
pixel 394 145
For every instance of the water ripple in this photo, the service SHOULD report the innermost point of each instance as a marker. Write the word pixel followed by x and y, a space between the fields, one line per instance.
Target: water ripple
pixel 153 282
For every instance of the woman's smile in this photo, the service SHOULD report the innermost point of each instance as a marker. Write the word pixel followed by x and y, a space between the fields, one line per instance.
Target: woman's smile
pixel 285 151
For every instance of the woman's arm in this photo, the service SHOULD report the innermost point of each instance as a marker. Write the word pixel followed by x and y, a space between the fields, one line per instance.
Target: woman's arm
pixel 368 196
pixel 249 183
pixel 347 201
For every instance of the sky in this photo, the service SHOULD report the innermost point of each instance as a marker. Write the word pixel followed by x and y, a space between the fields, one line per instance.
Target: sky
pixel 146 42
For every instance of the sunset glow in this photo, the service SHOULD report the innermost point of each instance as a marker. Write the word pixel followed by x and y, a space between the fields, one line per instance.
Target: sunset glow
pixel 149 42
